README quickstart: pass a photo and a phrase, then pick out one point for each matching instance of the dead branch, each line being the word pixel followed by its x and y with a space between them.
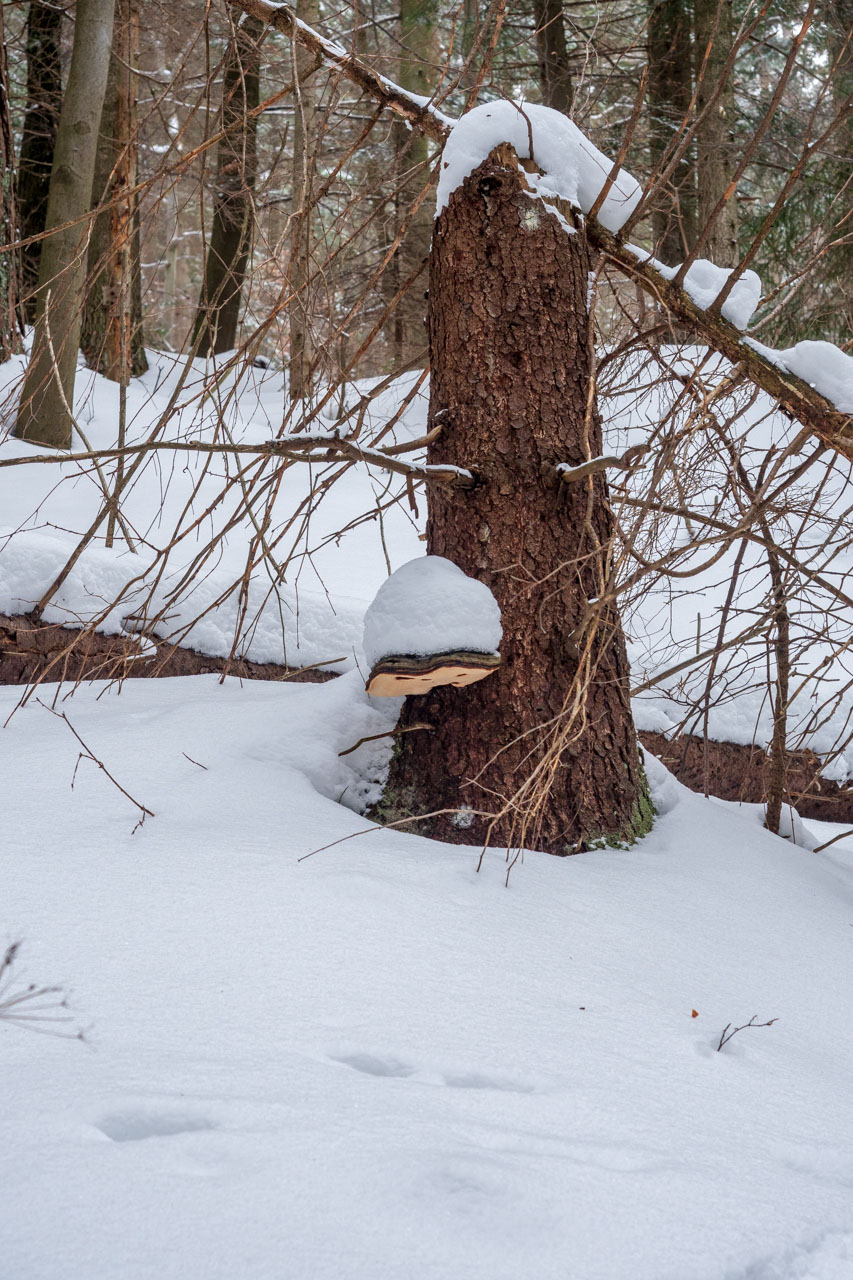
pixel 793 394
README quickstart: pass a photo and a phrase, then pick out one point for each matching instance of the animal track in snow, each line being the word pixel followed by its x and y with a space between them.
pixel 372 1065
pixel 135 1125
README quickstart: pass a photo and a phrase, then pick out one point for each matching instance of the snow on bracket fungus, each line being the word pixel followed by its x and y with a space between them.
pixel 430 624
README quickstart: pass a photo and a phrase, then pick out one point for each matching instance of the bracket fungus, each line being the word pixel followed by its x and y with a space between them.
pixel 430 624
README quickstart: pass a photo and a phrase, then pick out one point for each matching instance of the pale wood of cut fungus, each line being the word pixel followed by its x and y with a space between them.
pixel 399 677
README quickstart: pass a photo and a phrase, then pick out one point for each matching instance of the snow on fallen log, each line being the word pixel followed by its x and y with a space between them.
pixel 705 281
pixel 570 166
pixel 430 624
pixel 825 367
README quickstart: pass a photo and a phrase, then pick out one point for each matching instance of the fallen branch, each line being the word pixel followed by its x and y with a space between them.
pixel 794 395
pixel 317 448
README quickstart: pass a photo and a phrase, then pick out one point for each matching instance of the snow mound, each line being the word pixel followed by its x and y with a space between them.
pixel 430 606
pixel 821 364
pixel 703 282
pixel 826 368
pixel 570 165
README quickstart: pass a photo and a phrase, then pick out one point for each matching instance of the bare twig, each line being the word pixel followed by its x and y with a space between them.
pixel 88 754
pixel 729 1031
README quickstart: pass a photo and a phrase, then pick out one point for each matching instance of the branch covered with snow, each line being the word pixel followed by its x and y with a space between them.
pixel 822 403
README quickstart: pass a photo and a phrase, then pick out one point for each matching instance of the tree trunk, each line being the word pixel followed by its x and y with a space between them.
pixel 555 77
pixel 415 73
pixel 546 745
pixel 839 268
pixel 716 153
pixel 38 137
pixel 48 392
pixel 111 336
pixel 233 210
pixel 669 93
pixel 304 146
pixel 10 282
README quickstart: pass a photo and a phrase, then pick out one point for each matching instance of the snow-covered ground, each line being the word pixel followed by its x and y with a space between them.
pixel 309 584
pixel 378 1063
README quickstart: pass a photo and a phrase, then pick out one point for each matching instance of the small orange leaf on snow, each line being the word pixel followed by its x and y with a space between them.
pixel 693 1013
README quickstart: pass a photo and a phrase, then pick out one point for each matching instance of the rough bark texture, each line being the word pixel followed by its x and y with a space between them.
pixel 233 210
pixel 10 260
pixel 38 137
pixel 555 77
pixel 111 336
pixel 48 390
pixel 510 385
pixel 716 146
pixel 669 93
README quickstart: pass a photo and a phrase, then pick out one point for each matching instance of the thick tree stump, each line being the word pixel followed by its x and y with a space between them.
pixel 546 746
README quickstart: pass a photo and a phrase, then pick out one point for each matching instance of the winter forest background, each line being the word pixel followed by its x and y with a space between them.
pixel 298 304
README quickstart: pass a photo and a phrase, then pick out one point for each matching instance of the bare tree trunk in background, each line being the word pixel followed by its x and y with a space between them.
pixel 111 336
pixel 38 137
pixel 48 390
pixel 555 77
pixel 302 354
pixel 547 742
pixel 716 157
pixel 417 74
pixel 669 94
pixel 470 27
pixel 778 751
pixel 233 211
pixel 839 17
pixel 10 281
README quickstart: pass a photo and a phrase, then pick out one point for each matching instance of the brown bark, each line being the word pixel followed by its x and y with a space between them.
pixel 10 283
pixel 669 94
pixel 111 336
pixel 38 137
pixel 233 213
pixel 716 155
pixel 510 358
pixel 555 77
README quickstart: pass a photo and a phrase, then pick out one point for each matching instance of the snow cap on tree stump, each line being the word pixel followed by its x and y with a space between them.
pixel 430 624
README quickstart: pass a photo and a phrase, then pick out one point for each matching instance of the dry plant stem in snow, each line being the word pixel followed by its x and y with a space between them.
pixel 31 1006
